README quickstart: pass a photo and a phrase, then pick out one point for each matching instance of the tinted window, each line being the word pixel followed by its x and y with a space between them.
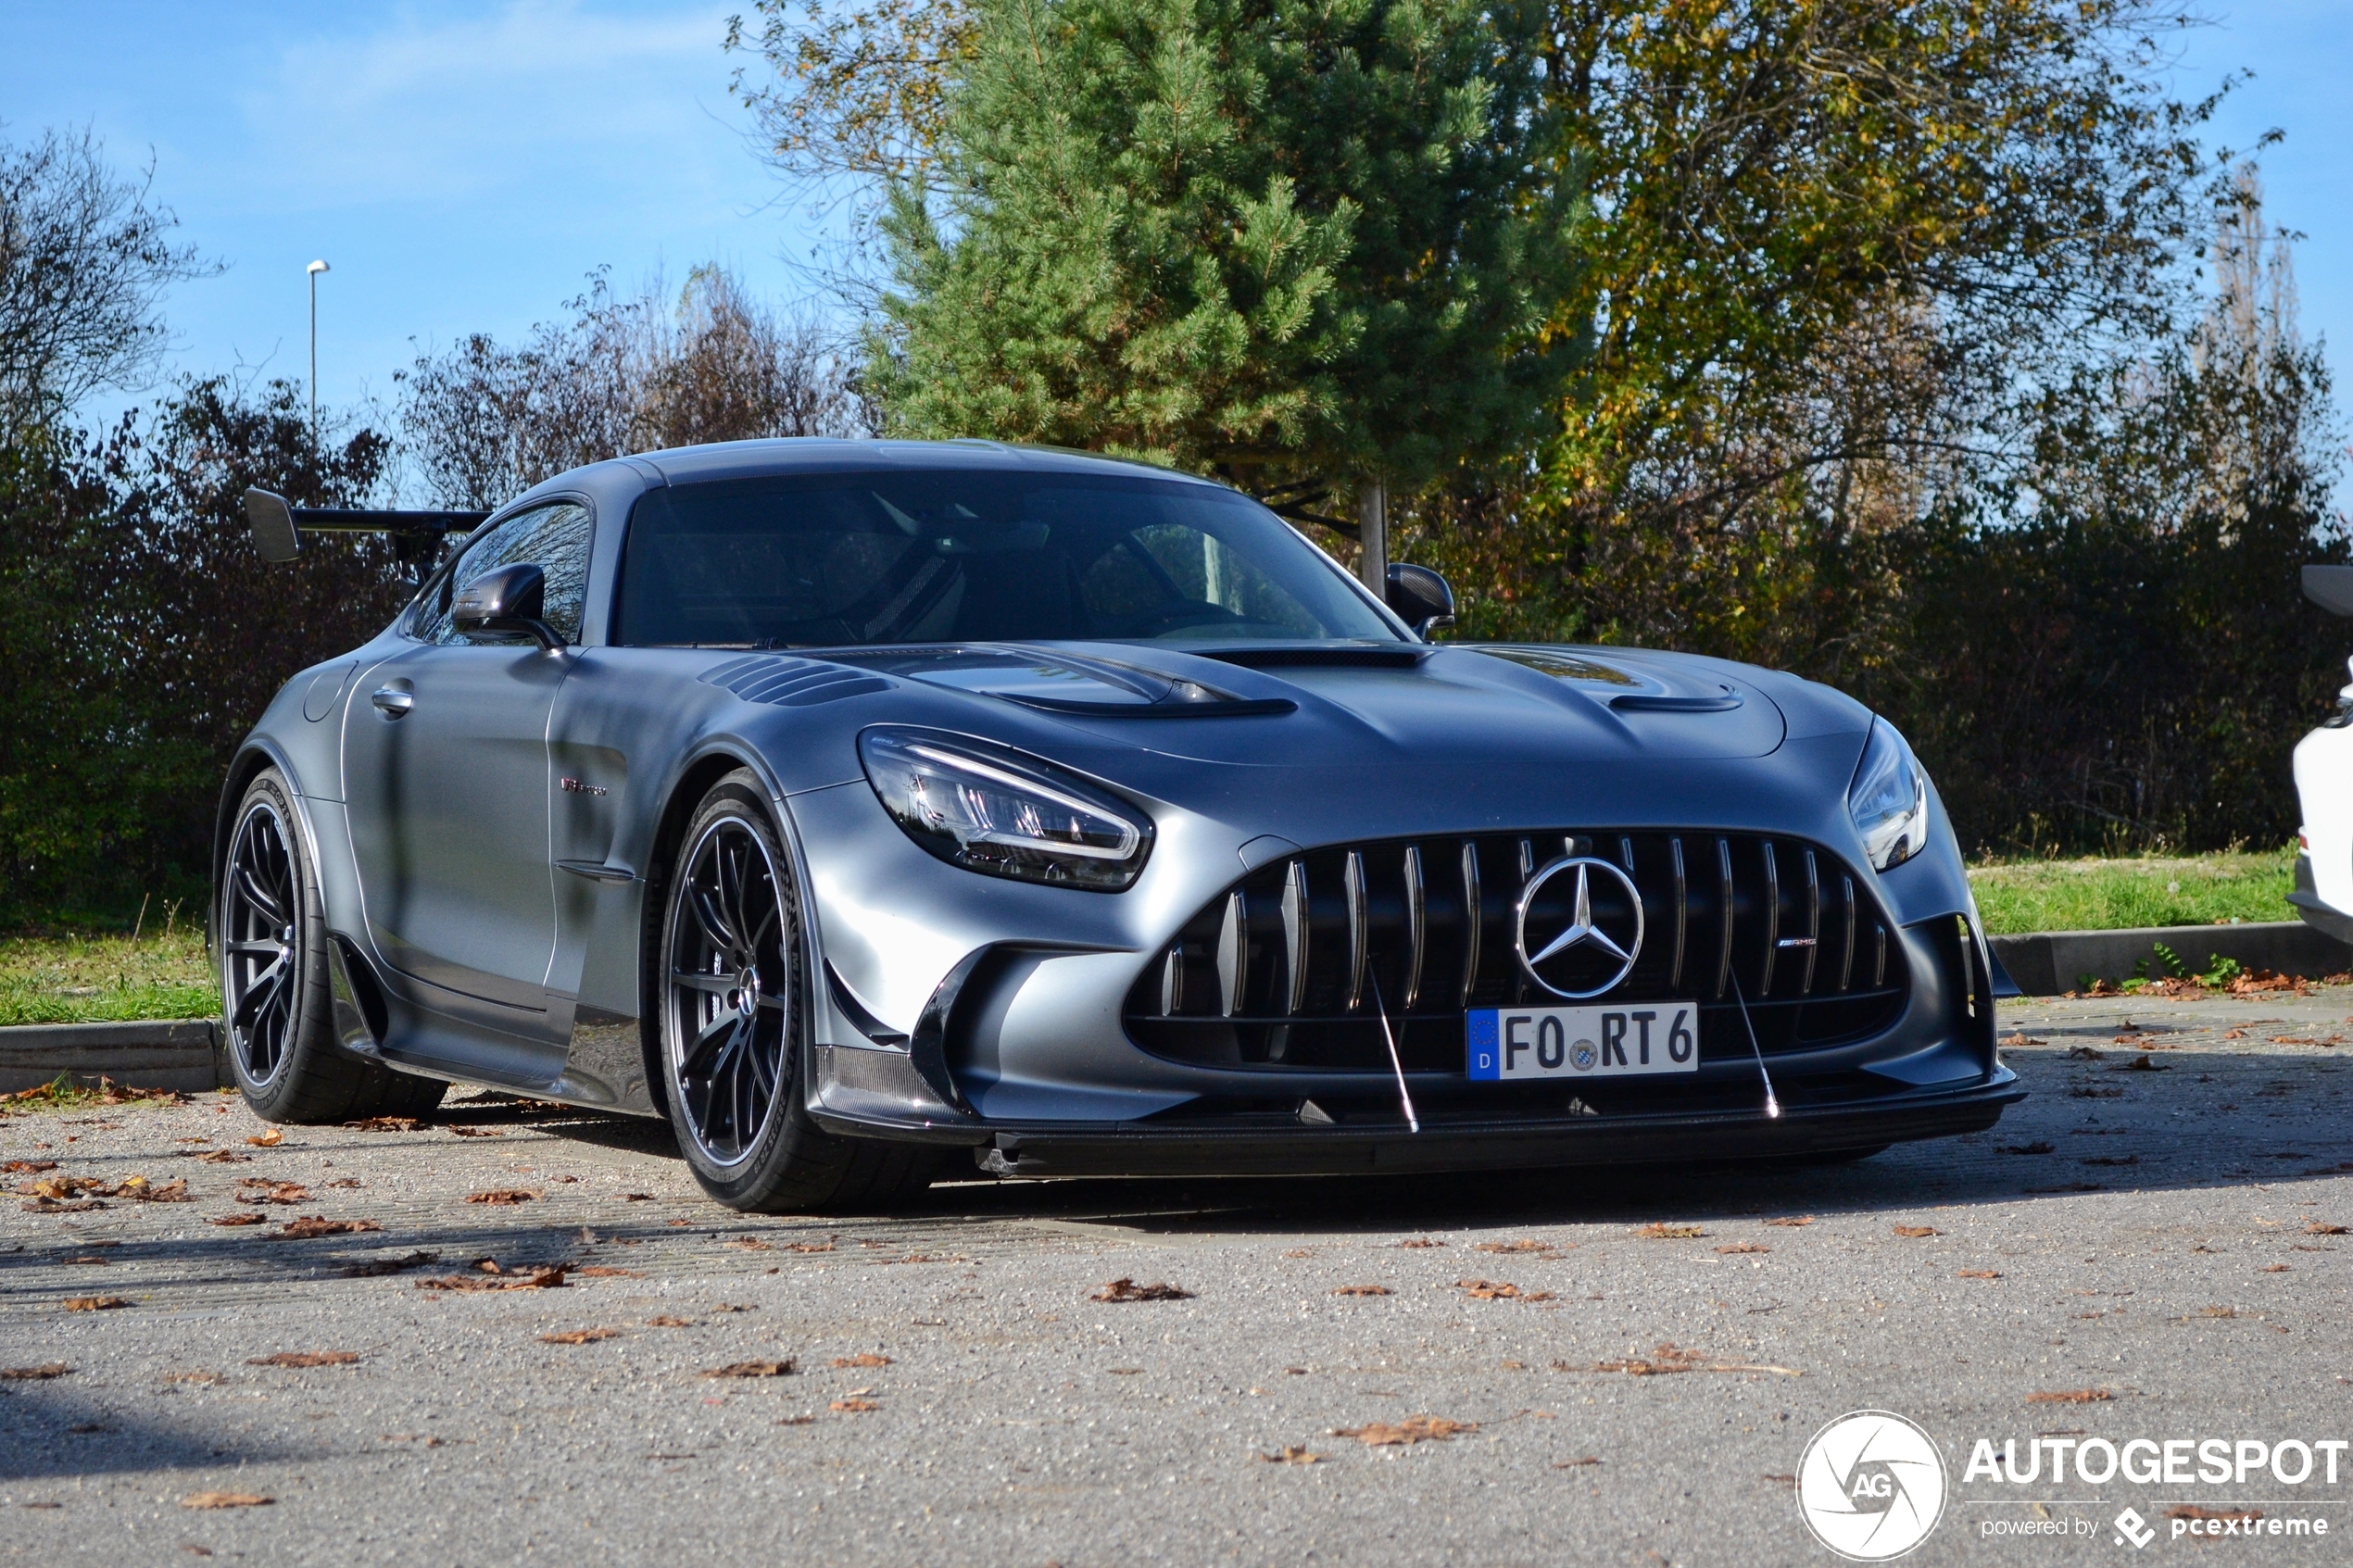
pixel 819 561
pixel 554 538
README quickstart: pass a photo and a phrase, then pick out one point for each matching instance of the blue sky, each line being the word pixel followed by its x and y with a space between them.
pixel 464 167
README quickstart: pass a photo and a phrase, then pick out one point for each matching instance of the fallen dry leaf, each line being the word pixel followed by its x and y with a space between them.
pixel 1298 1252
pixel 1498 1290
pixel 2318 1227
pixel 1913 1232
pixel 1362 1290
pixel 2072 1397
pixel 477 1132
pixel 270 1139
pixel 346 1181
pixel 386 1124
pixel 753 1369
pixel 809 1246
pixel 1413 1429
pixel 2036 1148
pixel 1792 1220
pixel 1578 1463
pixel 1659 1230
pixel 1513 1247
pixel 1978 1274
pixel 241 1219
pixel 93 1303
pixel 501 1197
pixel 217 1156
pixel 1421 1241
pixel 34 1374
pixel 580 1337
pixel 667 1320
pixel 747 1244
pixel 306 1359
pixel 2275 1268
pixel 306 1227
pixel 1668 1357
pixel 537 1279
pixel 854 1405
pixel 261 1190
pixel 28 1167
pixel 1292 1455
pixel 1744 1246
pixel 865 1358
pixel 226 1499
pixel 1124 1289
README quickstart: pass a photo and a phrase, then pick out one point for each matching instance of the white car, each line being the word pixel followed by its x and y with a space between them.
pixel 2323 893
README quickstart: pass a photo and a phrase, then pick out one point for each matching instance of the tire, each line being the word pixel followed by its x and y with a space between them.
pixel 277 1006
pixel 731 992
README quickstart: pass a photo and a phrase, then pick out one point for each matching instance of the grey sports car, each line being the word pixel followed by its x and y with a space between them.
pixel 873 809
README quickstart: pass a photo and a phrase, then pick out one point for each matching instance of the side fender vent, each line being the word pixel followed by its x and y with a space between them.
pixel 792 683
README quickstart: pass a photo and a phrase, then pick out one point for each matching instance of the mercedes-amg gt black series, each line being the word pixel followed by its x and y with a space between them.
pixel 869 809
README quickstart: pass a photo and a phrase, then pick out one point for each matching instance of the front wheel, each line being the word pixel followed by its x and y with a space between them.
pixel 277 1016
pixel 735 1025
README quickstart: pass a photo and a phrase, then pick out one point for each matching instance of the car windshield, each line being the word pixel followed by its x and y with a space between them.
pixel 831 559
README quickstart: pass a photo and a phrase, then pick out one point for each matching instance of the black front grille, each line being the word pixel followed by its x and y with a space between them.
pixel 1315 961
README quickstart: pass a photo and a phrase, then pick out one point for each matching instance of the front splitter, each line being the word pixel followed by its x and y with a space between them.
pixel 1144 1149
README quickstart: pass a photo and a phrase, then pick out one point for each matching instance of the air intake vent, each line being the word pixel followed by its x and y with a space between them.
pixel 1295 965
pixel 792 683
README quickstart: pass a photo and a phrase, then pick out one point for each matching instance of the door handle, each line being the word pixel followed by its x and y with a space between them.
pixel 391 701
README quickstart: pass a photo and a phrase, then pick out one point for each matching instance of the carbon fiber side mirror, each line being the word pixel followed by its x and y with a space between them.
pixel 503 604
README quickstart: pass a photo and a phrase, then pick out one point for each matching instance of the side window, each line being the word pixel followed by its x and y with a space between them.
pixel 554 538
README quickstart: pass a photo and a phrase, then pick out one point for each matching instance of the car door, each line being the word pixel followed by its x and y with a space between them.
pixel 445 772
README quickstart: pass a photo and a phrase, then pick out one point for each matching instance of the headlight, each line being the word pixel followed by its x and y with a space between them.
pixel 1889 799
pixel 989 809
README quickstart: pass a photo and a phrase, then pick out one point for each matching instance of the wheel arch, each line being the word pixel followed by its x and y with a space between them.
pixel 695 781
pixel 259 754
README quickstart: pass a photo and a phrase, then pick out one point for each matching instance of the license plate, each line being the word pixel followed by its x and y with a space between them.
pixel 1583 1042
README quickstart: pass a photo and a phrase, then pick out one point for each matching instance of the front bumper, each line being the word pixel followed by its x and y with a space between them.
pixel 863 1094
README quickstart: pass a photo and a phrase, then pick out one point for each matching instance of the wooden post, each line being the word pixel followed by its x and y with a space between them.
pixel 1371 520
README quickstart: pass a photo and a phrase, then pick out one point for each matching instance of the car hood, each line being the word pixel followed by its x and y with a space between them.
pixel 1279 705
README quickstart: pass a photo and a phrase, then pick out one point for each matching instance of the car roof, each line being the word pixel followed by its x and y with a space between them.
pixel 752 459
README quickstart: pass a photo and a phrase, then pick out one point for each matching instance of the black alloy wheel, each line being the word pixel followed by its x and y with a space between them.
pixel 731 1006
pixel 731 991
pixel 261 978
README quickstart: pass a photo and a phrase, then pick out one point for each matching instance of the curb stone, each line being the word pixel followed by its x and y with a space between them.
pixel 2045 963
pixel 178 1053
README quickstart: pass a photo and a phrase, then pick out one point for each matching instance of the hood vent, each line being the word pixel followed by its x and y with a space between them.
pixel 792 683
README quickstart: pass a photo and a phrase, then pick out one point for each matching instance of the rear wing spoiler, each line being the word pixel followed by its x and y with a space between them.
pixel 2331 587
pixel 278 528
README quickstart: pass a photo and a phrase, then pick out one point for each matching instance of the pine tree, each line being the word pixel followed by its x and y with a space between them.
pixel 1275 239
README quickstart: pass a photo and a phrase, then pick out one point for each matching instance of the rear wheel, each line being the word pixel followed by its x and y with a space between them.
pixel 735 1026
pixel 276 1009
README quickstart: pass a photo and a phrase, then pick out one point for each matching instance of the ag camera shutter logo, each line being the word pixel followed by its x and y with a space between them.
pixel 1871 1485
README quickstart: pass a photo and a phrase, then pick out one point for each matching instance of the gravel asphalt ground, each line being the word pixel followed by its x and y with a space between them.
pixel 1636 1357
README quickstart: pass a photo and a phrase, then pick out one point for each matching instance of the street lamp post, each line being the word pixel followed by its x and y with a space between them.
pixel 314 270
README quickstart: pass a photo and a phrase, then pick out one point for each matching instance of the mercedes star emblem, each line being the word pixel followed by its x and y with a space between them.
pixel 1589 958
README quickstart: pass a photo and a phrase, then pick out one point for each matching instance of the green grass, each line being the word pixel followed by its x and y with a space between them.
pixel 2103 895
pixel 100 979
